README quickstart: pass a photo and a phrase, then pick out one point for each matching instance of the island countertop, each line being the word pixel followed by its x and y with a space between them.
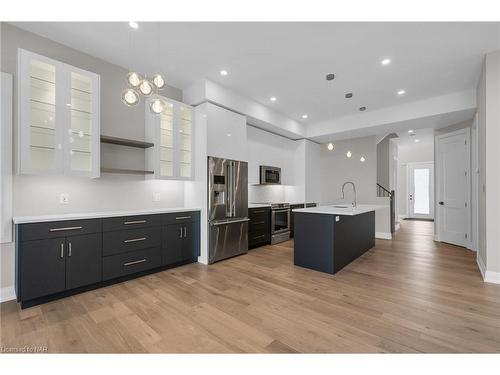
pixel 339 209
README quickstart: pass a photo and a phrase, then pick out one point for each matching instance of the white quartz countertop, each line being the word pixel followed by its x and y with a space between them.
pixel 258 205
pixel 95 215
pixel 339 209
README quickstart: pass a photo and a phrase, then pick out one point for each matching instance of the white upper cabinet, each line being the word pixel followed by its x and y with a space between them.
pixel 172 132
pixel 58 118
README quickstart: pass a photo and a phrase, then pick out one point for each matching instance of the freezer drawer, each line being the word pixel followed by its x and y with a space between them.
pixel 227 239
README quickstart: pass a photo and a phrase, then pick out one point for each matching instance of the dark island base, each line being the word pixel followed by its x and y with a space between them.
pixel 326 245
pixel 72 292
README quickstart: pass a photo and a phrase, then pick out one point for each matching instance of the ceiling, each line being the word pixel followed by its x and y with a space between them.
pixel 424 136
pixel 290 60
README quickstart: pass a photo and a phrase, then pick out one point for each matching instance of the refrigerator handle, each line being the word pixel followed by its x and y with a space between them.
pixel 234 189
pixel 229 185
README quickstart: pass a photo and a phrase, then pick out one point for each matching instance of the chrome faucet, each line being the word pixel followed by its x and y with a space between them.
pixel 353 189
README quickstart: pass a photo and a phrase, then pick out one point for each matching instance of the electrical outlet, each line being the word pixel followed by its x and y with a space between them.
pixel 156 197
pixel 64 198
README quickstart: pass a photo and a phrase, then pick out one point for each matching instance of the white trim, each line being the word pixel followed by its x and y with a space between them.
pixel 7 294
pixel 492 277
pixel 480 264
pixel 398 225
pixel 488 276
pixel 6 128
pixel 402 217
pixel 383 235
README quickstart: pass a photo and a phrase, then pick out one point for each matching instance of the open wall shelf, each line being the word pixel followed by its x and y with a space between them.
pixel 125 142
pixel 126 171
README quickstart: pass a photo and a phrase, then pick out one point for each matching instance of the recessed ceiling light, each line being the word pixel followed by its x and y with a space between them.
pixel 348 154
pixel 385 61
pixel 330 146
pixel 348 95
pixel 133 25
pixel 417 140
pixel 410 131
pixel 362 109
pixel 304 116
pixel 272 98
pixel 223 72
pixel 362 159
pixel 330 77
pixel 401 92
pixel 228 134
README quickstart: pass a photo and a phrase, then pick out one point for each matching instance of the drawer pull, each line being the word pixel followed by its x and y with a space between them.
pixel 259 212
pixel 134 222
pixel 135 240
pixel 135 262
pixel 258 222
pixel 182 217
pixel 65 228
pixel 62 250
pixel 259 237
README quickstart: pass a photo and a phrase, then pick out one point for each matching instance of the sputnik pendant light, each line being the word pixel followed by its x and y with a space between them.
pixel 139 85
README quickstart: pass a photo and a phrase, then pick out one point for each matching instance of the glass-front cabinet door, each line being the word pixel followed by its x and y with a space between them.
pixel 58 117
pixel 172 134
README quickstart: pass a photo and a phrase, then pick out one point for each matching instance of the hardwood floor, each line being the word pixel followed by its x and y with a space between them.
pixel 406 295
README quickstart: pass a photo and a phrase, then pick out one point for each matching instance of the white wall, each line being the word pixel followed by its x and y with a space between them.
pixel 336 168
pixel 488 98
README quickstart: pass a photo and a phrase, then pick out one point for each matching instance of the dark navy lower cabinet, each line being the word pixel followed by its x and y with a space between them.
pixel 84 260
pixel 56 259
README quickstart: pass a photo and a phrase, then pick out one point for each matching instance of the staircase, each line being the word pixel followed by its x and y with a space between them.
pixel 391 194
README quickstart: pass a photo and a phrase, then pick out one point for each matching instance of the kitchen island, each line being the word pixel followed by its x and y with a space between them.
pixel 328 238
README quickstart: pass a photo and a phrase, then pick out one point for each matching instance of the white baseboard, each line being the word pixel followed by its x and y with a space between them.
pixel 402 217
pixel 488 276
pixel 7 294
pixel 480 264
pixel 398 225
pixel 383 235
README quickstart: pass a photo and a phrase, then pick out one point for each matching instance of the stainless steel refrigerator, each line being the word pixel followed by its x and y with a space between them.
pixel 227 208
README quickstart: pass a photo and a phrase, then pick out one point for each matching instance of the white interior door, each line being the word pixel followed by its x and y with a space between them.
pixel 421 190
pixel 453 158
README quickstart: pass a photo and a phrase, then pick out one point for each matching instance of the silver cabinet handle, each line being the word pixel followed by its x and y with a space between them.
pixel 69 249
pixel 62 250
pixel 180 232
pixel 134 262
pixel 185 232
pixel 258 222
pixel 259 212
pixel 182 217
pixel 65 228
pixel 225 222
pixel 134 222
pixel 259 236
pixel 135 240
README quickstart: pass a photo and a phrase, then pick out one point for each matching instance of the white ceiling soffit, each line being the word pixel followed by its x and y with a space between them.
pixel 434 112
pixel 257 114
pixel 289 60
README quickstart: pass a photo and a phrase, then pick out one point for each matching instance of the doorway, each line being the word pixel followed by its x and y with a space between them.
pixel 453 187
pixel 421 191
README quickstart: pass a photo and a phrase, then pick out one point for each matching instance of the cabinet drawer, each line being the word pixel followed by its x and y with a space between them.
pixel 181 217
pixel 56 229
pixel 128 263
pixel 258 239
pixel 129 240
pixel 130 222
pixel 259 224
pixel 258 212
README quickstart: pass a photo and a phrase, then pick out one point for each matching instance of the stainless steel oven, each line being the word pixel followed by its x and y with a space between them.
pixel 270 175
pixel 280 222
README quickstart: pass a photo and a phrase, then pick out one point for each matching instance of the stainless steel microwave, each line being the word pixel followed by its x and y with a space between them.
pixel 270 175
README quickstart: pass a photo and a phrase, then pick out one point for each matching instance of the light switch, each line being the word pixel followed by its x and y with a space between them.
pixel 337 218
pixel 64 198
pixel 156 197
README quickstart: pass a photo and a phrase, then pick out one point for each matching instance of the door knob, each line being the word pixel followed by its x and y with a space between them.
pixel 441 203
